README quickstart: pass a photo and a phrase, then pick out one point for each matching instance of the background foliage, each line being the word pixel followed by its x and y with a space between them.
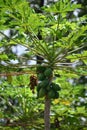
pixel 57 34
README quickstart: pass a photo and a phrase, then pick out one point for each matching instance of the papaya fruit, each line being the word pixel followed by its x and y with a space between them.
pixel 51 94
pixel 48 87
pixel 37 94
pixel 45 83
pixel 56 87
pixel 41 76
pixel 56 95
pixel 42 92
pixel 40 69
pixel 48 72
pixel 38 87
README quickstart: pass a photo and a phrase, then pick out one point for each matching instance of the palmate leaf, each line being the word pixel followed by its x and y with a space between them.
pixel 3 57
pixel 62 6
pixel 23 18
pixel 74 57
pixel 9 2
pixel 68 26
pixel 15 15
pixel 81 110
pixel 73 38
pixel 66 5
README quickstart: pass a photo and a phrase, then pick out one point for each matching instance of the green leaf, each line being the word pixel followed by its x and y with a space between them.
pixel 81 110
pixel 3 57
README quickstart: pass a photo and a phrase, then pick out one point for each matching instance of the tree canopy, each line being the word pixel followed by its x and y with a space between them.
pixel 54 40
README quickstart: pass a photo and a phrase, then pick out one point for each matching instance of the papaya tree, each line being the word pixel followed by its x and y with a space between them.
pixel 62 43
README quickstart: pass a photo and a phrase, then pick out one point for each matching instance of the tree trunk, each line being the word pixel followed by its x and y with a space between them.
pixel 47 113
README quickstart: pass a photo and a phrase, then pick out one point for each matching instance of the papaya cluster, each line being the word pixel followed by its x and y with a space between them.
pixel 45 85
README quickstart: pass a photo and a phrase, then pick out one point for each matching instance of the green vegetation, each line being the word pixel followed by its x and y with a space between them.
pixel 43 66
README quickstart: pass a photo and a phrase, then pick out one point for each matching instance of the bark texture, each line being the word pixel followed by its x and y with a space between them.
pixel 47 113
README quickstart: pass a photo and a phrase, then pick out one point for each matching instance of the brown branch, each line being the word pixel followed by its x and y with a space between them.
pixel 15 124
pixel 16 73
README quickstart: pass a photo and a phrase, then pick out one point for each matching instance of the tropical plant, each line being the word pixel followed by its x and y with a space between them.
pixel 61 47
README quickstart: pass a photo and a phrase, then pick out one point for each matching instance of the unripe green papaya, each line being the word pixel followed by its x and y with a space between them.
pixel 56 87
pixel 38 86
pixel 51 94
pixel 37 94
pixel 56 95
pixel 48 72
pixel 40 69
pixel 48 87
pixel 42 92
pixel 41 76
pixel 45 83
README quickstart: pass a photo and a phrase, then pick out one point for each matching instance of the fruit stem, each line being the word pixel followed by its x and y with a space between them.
pixel 47 113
